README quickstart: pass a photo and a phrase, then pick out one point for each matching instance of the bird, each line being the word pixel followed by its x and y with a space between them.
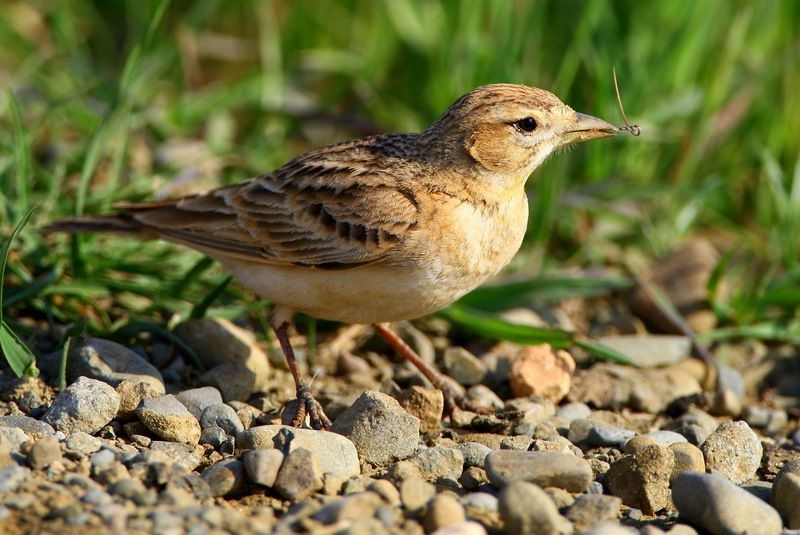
pixel 376 230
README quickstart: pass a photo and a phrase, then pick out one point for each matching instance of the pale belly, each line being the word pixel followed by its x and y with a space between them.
pixel 451 260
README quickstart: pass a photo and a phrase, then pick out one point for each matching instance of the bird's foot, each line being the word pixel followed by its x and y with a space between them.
pixel 307 405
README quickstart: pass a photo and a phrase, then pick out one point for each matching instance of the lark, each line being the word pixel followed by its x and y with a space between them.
pixel 375 230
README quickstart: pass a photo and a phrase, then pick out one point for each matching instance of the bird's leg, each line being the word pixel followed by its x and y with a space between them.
pixel 305 401
pixel 452 397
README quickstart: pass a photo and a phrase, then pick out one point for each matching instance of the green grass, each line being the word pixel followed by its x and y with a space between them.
pixel 103 96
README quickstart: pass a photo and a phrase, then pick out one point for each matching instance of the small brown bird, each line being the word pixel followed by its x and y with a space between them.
pixel 380 229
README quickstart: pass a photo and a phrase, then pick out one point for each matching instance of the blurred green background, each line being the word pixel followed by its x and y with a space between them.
pixel 115 100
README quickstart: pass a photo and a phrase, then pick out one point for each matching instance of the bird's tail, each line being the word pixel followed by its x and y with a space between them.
pixel 112 223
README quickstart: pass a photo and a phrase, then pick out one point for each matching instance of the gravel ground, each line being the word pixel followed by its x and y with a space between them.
pixel 138 443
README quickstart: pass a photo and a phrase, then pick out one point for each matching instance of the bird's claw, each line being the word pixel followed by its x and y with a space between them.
pixel 307 405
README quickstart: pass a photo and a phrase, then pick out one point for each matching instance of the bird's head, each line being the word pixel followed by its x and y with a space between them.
pixel 510 129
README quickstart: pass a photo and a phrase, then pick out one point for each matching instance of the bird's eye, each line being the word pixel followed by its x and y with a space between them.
pixel 528 124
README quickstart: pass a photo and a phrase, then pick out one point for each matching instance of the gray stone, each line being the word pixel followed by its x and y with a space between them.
pixel 651 350
pixel 443 511
pixel 474 453
pixel 544 468
pixel 196 400
pixel 184 455
pixel 381 430
pixel 86 405
pixel 262 465
pixel 111 363
pixel 573 411
pixel 223 416
pixel 734 451
pixel 714 503
pixel 44 452
pixel 214 436
pixel 31 426
pixel 11 477
pixel 526 508
pixel 463 366
pixel 225 477
pixel 227 349
pixel 590 510
pixel 591 433
pixel 439 463
pixel 166 417
pixel 665 438
pixel 299 476
pixel 333 453
pixel 351 508
pixel 14 437
pixel 83 443
pixel 415 494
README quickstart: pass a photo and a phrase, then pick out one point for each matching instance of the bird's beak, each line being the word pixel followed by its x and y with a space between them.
pixel 586 128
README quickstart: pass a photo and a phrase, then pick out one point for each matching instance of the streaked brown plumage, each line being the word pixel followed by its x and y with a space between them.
pixel 378 229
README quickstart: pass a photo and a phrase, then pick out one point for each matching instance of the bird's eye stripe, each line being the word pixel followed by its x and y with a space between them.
pixel 528 124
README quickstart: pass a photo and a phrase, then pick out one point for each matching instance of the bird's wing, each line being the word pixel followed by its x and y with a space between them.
pixel 325 211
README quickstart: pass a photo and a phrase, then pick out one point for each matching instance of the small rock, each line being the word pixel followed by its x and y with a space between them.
pixel 351 508
pixel 379 427
pixel 463 366
pixel 483 398
pixel 734 451
pixel 262 465
pixel 166 417
pixel 642 478
pixel 131 395
pixel 544 468
pixel 468 527
pixel 473 477
pixel 590 510
pixel 665 438
pixel 729 393
pixel 30 426
pixel 83 443
pixel 772 421
pixel 651 350
pixel 541 370
pixel 714 503
pixel 299 476
pixel 526 508
pixel 12 477
pixel 111 363
pixel 86 405
pixel 44 452
pixel 573 411
pixel 786 494
pixel 225 477
pixel 386 491
pixel 439 463
pixel 474 453
pixel 183 455
pixel 225 348
pixel 443 511
pixel 13 438
pixel 415 493
pixel 223 416
pixel 427 404
pixel 688 458
pixel 196 400
pixel 590 433
pixel 333 453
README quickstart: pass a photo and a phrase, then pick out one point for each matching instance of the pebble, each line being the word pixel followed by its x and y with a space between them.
pixel 526 508
pixel 111 363
pixel 786 493
pixel 439 463
pixel 381 430
pixel 14 437
pixel 386 491
pixel 30 426
pixel 714 503
pixel 473 477
pixel 196 400
pixel 642 478
pixel 299 476
pixel 182 454
pixel 665 438
pixel 483 398
pixel 650 351
pixel 131 395
pixel 589 433
pixel 333 453
pixel 468 527
pixel 235 363
pixel 688 458
pixel 427 404
pixel 573 411
pixel 354 507
pixel 443 511
pixel 44 452
pixel 772 421
pixel 86 405
pixel 544 468
pixel 474 453
pixel 83 443
pixel 12 477
pixel 415 493
pixel 225 477
pixel 730 391
pixel 734 451
pixel 590 510
pixel 463 366
pixel 223 416
pixel 543 371
pixel 262 465
pixel 213 436
pixel 166 417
